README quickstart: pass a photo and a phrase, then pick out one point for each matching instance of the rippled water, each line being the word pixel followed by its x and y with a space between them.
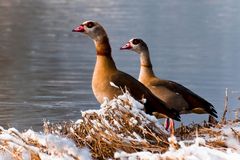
pixel 45 69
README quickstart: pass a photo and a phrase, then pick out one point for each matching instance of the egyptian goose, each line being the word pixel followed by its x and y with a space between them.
pixel 106 74
pixel 172 93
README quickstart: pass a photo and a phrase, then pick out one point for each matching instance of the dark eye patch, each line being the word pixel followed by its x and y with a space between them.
pixel 136 41
pixel 90 24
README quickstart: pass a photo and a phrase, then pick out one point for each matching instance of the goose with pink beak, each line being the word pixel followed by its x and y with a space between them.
pixel 172 93
pixel 107 80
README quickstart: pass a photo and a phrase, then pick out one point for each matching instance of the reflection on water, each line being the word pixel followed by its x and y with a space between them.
pixel 45 70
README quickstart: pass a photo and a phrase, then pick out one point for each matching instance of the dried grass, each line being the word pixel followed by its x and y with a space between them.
pixel 31 145
pixel 213 134
pixel 112 131
pixel 118 127
pixel 14 144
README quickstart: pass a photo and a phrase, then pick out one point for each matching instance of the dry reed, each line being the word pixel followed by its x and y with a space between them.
pixel 120 126
pixel 116 128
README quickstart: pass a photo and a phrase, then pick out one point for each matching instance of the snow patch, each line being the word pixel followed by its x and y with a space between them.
pixel 16 145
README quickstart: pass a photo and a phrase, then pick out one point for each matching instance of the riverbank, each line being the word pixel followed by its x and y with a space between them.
pixel 121 130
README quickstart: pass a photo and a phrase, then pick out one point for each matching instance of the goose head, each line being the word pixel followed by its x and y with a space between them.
pixel 91 28
pixel 135 44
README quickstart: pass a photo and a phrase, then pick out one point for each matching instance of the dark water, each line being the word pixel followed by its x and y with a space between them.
pixel 45 69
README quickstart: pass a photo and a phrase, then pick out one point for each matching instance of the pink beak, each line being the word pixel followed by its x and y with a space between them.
pixel 79 29
pixel 126 46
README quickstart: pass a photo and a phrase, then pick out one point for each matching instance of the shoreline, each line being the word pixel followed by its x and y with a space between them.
pixel 121 130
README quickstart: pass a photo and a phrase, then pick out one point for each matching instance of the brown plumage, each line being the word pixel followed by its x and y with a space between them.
pixel 172 93
pixel 105 71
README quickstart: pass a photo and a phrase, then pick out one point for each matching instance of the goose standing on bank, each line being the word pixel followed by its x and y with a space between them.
pixel 106 72
pixel 172 93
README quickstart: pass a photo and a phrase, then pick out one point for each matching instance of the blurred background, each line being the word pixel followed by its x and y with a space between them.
pixel 45 69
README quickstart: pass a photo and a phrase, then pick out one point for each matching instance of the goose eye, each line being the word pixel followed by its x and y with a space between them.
pixel 90 24
pixel 136 41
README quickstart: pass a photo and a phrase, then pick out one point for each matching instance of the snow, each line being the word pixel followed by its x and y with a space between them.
pixel 231 142
pixel 133 121
pixel 135 107
pixel 192 152
pixel 199 150
pixel 17 145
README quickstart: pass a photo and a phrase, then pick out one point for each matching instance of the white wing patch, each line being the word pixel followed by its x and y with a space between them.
pixel 114 85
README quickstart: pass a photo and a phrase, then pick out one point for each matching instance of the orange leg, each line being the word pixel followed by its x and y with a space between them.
pixel 166 123
pixel 172 127
pixel 169 125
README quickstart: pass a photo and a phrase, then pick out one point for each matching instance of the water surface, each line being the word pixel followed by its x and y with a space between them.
pixel 45 69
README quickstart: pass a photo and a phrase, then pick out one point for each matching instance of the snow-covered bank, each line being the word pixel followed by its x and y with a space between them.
pixel 120 124
pixel 120 130
pixel 195 151
pixel 31 145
